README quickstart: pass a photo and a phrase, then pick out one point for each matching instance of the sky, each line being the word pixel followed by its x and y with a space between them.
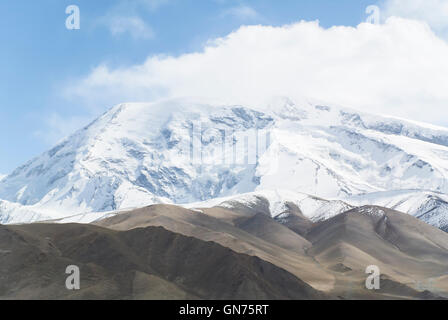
pixel 54 80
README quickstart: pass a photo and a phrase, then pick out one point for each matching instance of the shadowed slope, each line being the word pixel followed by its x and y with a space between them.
pixel 270 246
pixel 140 263
pixel 405 249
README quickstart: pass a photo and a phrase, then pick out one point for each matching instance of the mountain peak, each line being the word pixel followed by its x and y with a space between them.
pixel 190 150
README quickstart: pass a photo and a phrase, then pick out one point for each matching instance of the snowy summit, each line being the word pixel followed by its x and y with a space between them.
pixel 184 151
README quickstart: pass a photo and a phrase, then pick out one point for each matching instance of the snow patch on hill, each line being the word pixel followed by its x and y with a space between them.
pixel 312 207
pixel 431 207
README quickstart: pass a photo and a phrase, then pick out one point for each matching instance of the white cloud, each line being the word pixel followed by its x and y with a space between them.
pixel 397 68
pixel 433 12
pixel 152 4
pixel 134 26
pixel 125 18
pixel 241 12
pixel 135 6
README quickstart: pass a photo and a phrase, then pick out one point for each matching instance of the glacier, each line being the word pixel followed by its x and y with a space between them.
pixel 177 151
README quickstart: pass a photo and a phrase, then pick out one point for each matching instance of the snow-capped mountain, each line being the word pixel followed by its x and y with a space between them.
pixel 11 213
pixel 314 208
pixel 185 150
pixel 431 207
pixel 134 155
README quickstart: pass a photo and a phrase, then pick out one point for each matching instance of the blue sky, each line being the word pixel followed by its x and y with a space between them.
pixel 40 57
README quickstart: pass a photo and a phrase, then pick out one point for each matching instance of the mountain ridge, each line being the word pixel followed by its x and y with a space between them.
pixel 331 255
pixel 175 151
pixel 143 263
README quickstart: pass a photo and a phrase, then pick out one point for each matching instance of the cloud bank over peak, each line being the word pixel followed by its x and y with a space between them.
pixel 397 68
pixel 433 12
